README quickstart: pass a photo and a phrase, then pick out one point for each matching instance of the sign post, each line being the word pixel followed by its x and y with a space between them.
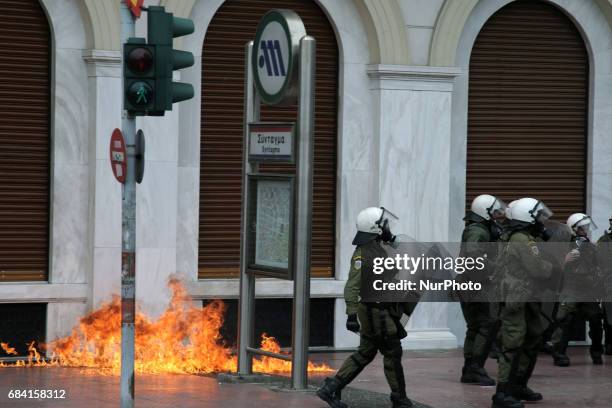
pixel 301 282
pixel 277 208
pixel 148 89
pixel 128 241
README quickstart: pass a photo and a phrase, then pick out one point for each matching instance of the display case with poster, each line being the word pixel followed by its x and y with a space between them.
pixel 270 225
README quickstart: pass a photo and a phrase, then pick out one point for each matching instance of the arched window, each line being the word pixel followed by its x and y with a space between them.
pixel 25 57
pixel 231 28
pixel 527 112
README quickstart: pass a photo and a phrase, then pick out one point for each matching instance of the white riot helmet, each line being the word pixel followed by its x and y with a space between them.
pixel 509 209
pixel 530 210
pixel 373 222
pixel 488 207
pixel 580 220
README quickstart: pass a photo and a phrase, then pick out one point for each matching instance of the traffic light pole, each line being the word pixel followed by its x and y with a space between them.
pixel 128 241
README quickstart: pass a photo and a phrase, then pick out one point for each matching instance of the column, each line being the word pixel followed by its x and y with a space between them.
pixel 414 171
pixel 105 103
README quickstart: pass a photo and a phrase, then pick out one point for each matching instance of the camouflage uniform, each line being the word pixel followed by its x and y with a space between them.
pixel 580 279
pixel 380 330
pixel 478 315
pixel 522 323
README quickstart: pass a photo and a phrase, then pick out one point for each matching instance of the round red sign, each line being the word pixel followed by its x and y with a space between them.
pixel 118 156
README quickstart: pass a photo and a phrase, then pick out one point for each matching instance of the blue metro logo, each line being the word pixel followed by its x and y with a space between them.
pixel 272 58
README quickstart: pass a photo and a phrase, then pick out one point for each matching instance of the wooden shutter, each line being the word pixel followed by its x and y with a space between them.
pixel 527 120
pixel 24 140
pixel 221 142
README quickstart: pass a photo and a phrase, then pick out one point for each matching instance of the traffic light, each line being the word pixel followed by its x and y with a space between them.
pixel 162 28
pixel 148 65
pixel 139 76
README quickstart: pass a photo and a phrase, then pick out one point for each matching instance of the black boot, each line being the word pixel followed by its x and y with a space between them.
pixel 546 348
pixel 473 373
pixel 330 393
pixel 596 357
pixel 503 399
pixel 608 350
pixel 596 335
pixel 523 392
pixel 560 359
pixel 400 401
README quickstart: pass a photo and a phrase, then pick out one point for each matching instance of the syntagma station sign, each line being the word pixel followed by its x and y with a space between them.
pixel 272 142
pixel 275 57
pixel 277 207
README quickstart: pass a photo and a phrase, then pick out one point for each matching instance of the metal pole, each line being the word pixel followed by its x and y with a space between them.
pixel 301 301
pixel 261 352
pixel 128 242
pixel 247 281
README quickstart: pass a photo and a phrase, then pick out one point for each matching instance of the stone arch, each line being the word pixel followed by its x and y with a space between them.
pixel 387 39
pixel 104 22
pixel 450 24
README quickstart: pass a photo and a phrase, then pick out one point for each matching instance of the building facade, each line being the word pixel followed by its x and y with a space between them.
pixel 421 105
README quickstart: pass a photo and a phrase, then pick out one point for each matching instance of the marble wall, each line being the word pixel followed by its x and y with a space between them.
pixel 414 171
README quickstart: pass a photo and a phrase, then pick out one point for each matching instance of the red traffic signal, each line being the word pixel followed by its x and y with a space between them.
pixel 140 60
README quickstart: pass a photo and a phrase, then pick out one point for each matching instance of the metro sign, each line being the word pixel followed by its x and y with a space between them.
pixel 275 56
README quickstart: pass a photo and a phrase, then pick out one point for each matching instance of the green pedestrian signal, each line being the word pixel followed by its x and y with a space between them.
pixel 142 95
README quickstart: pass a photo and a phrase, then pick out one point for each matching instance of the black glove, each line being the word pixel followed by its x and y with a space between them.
pixel 352 324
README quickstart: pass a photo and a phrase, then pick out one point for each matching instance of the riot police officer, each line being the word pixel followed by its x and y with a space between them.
pixel 519 265
pixel 481 227
pixel 580 280
pixel 378 324
pixel 604 245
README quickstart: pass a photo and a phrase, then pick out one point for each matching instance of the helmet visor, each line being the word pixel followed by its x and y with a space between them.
pixel 498 209
pixel 541 212
pixel 390 218
pixel 586 223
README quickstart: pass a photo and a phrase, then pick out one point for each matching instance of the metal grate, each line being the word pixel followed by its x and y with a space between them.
pixel 527 120
pixel 24 140
pixel 232 27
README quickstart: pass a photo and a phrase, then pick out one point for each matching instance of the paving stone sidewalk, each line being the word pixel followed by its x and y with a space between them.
pixel 431 376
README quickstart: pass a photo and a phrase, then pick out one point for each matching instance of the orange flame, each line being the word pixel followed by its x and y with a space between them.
pixel 185 339
pixel 7 349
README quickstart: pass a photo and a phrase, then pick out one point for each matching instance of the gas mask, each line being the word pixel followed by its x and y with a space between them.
pixel 387 218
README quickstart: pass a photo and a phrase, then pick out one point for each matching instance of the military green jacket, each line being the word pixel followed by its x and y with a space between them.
pixel 581 277
pixel 476 232
pixel 475 243
pixel 360 261
pixel 606 237
pixel 522 266
pixel 353 284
